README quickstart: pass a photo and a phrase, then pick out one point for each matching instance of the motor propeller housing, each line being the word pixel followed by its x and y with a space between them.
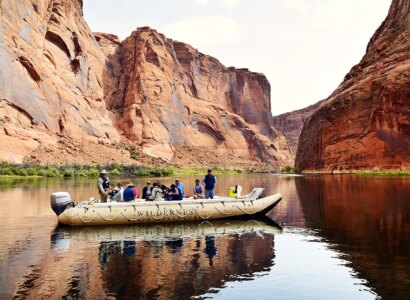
pixel 60 201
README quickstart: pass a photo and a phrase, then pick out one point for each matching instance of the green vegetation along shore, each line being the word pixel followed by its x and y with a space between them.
pixel 10 170
pixel 385 173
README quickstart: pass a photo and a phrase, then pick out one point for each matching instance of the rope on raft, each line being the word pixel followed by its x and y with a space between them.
pixel 248 213
pixel 82 220
pixel 222 213
pixel 131 219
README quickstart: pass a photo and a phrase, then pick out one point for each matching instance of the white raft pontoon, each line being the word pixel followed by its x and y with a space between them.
pixel 115 213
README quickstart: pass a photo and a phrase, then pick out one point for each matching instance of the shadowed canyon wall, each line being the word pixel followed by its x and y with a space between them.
pixel 365 123
pixel 290 125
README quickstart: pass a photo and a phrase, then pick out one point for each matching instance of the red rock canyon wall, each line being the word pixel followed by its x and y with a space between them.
pixel 365 123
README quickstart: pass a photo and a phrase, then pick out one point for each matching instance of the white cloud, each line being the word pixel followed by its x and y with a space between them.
pixel 204 31
pixel 297 6
pixel 202 2
pixel 347 15
pixel 227 3
pixel 231 3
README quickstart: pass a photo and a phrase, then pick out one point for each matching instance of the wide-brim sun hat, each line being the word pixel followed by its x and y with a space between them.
pixel 131 184
pixel 103 172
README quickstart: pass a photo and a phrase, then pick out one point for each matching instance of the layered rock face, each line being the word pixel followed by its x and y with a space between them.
pixel 290 125
pixel 176 103
pixel 365 123
pixel 65 98
pixel 51 85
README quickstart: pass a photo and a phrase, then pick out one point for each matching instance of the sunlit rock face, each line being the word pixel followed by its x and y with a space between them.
pixel 51 71
pixel 64 89
pixel 169 98
pixel 67 95
pixel 365 123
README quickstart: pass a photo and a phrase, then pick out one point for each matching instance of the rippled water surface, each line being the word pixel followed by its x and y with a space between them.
pixel 340 237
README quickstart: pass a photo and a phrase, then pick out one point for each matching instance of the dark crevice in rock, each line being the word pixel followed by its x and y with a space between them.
pixel 54 19
pixel 151 56
pixel 30 68
pixel 20 110
pixel 210 131
pixel 58 41
pixel 35 7
pixel 76 63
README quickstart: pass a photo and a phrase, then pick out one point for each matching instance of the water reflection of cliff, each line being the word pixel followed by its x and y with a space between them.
pixel 368 220
pixel 172 267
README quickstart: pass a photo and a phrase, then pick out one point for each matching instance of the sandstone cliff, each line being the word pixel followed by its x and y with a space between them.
pixel 290 125
pixel 51 87
pixel 365 123
pixel 178 104
pixel 65 98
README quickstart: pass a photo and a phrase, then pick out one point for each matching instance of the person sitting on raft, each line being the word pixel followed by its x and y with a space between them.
pixel 174 193
pixel 118 193
pixel 156 193
pixel 146 191
pixel 129 193
pixel 198 191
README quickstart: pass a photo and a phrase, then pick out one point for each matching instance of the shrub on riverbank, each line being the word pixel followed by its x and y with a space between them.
pixel 68 171
pixel 387 173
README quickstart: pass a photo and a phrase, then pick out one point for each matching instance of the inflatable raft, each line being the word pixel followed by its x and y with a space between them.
pixel 115 213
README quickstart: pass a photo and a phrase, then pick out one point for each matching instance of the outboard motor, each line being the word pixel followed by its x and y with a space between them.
pixel 60 201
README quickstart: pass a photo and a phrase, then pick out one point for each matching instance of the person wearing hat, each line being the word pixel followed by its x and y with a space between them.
pixel 180 186
pixel 103 186
pixel 129 193
pixel 147 191
pixel 209 182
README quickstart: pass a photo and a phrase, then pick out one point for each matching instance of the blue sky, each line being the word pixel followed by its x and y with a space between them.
pixel 304 47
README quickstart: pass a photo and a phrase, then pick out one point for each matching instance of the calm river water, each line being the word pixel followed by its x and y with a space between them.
pixel 341 237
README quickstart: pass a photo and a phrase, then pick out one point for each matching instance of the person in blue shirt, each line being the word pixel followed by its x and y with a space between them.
pixel 180 186
pixel 129 193
pixel 209 182
pixel 198 190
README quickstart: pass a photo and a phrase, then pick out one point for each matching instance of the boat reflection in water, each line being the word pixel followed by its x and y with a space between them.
pixel 173 260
